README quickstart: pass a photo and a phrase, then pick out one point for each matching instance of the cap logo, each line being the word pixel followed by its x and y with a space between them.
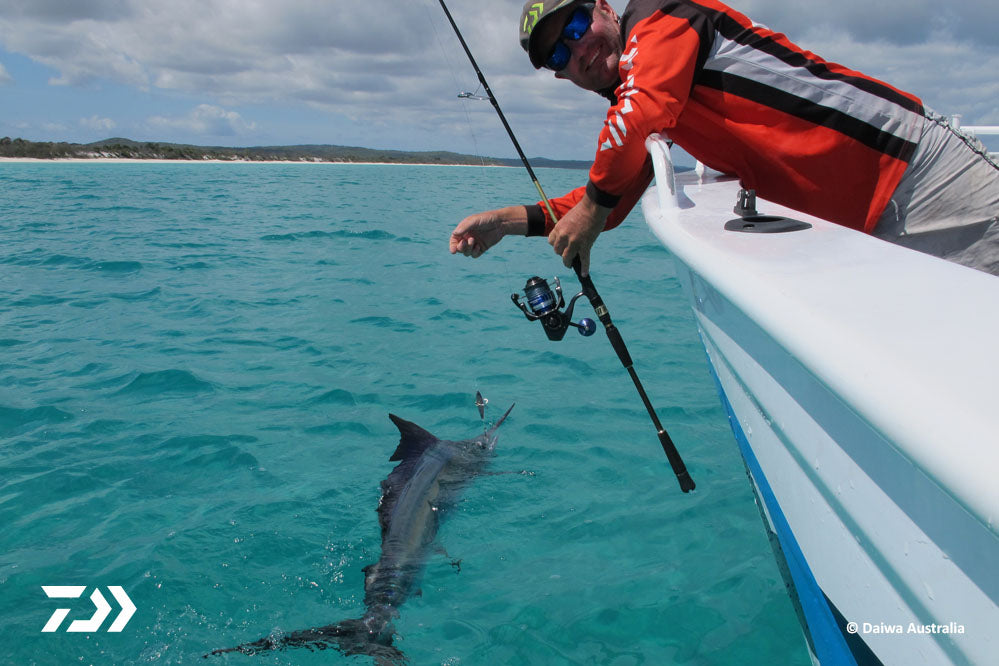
pixel 532 16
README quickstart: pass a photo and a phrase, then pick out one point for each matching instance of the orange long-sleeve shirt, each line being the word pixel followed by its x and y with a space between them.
pixel 744 100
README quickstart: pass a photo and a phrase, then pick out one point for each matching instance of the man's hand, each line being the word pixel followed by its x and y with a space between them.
pixel 576 232
pixel 477 233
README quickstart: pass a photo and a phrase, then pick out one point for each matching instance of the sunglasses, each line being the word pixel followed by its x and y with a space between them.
pixel 577 25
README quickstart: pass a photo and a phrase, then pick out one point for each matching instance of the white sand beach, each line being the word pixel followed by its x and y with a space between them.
pixel 127 160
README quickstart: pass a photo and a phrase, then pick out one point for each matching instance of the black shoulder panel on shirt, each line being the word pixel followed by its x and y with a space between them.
pixel 701 21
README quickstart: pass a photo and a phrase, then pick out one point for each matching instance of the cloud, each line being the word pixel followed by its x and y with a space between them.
pixel 59 11
pixel 254 49
pixel 394 68
pixel 900 22
pixel 5 78
pixel 98 124
pixel 206 120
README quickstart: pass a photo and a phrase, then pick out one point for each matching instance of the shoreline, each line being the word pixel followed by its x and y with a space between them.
pixel 143 160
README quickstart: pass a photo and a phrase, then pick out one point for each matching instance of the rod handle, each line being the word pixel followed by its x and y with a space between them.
pixel 669 448
pixel 603 315
pixel 618 343
pixel 676 462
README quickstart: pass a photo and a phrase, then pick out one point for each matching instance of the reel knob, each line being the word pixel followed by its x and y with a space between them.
pixel 587 327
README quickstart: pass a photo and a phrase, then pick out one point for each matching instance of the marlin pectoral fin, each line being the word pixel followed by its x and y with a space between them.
pixel 454 562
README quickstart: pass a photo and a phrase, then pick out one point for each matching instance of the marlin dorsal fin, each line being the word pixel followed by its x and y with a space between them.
pixel 414 440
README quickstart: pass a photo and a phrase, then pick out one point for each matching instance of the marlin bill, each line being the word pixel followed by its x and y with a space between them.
pixel 416 495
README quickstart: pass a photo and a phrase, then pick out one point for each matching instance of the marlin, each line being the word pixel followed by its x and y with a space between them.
pixel 420 490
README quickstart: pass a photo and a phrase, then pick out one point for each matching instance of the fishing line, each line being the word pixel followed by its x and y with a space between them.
pixel 451 70
pixel 480 402
pixel 551 314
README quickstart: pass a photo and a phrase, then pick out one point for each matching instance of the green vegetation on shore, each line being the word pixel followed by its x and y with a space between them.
pixel 128 149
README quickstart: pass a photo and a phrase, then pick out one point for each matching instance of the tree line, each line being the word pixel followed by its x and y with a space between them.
pixel 128 149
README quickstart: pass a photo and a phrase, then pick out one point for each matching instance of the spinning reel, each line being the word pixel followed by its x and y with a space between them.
pixel 547 306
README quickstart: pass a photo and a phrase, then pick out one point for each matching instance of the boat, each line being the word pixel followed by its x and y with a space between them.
pixel 860 380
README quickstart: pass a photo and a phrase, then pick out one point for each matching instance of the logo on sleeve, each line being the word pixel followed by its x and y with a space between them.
pixel 616 126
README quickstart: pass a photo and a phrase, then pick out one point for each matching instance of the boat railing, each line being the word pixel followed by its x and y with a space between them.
pixel 662 166
pixel 976 130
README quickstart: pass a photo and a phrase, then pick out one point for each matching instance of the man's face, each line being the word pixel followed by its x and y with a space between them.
pixel 595 56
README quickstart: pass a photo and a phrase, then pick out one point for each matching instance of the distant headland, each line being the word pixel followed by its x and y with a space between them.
pixel 125 149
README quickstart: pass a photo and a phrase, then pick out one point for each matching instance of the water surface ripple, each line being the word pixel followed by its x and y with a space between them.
pixel 196 366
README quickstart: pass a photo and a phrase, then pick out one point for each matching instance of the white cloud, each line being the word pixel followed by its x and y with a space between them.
pixel 5 78
pixel 97 123
pixel 394 68
pixel 206 120
pixel 894 21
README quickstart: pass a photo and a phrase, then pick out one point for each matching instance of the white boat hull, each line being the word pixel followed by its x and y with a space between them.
pixel 861 381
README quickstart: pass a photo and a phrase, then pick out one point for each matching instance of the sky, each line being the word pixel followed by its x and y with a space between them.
pixel 386 73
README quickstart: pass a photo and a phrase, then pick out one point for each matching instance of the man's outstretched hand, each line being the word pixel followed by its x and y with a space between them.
pixel 477 233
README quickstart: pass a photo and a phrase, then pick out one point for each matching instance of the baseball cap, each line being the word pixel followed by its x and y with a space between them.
pixel 534 12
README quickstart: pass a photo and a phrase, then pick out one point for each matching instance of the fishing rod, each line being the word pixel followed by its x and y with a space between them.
pixel 547 307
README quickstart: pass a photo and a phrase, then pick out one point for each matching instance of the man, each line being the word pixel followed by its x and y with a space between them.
pixel 803 132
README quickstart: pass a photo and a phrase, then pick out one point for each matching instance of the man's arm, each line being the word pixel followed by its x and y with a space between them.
pixel 477 233
pixel 541 223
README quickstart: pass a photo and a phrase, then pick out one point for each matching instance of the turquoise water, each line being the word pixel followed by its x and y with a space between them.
pixel 196 366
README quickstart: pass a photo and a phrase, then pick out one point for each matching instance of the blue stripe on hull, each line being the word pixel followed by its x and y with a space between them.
pixel 827 637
